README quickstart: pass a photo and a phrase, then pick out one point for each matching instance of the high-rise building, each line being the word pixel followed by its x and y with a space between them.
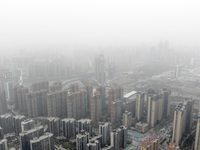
pixel 3 104
pixel 97 139
pixel 37 104
pixel 26 136
pixel 56 86
pixel 119 138
pixel 151 144
pixel 93 145
pixel 114 94
pixel 6 122
pixel 9 90
pixel 111 70
pixel 56 68
pixel 27 124
pixel 89 90
pixel 115 112
pixel 81 140
pixel 21 98
pixel 130 102
pixel 57 104
pixel 74 88
pixel 178 70
pixel 139 106
pixel 3 144
pixel 17 120
pixel 16 96
pixel 1 133
pixel 100 69
pixel 197 137
pixel 104 130
pixel 76 104
pixel 127 119
pixel 95 107
pixel 44 142
pixel 155 109
pixel 102 91
pixel 54 126
pixel 68 127
pixel 166 103
pixel 181 121
pixel 190 107
pixel 86 125
pixel 130 106
pixel 43 85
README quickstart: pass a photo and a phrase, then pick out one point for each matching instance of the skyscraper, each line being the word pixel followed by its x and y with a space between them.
pixel 100 69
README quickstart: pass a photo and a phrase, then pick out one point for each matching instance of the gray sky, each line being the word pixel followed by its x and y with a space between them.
pixel 54 24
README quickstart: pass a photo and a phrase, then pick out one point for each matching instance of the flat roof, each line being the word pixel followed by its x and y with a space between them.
pixel 130 94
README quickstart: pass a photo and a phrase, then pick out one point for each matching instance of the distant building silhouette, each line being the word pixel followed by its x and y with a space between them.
pixel 100 69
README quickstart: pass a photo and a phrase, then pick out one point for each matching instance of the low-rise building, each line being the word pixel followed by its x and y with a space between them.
pixel 142 127
pixel 151 144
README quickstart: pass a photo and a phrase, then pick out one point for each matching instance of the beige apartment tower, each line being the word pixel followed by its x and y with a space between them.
pixel 154 109
pixel 139 106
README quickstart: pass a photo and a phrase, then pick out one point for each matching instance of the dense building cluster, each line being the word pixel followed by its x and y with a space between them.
pixel 90 115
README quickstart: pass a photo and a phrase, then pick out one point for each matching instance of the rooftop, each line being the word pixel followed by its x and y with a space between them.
pixel 130 94
pixel 148 142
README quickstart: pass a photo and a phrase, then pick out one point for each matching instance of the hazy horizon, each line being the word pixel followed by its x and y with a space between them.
pixel 58 25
